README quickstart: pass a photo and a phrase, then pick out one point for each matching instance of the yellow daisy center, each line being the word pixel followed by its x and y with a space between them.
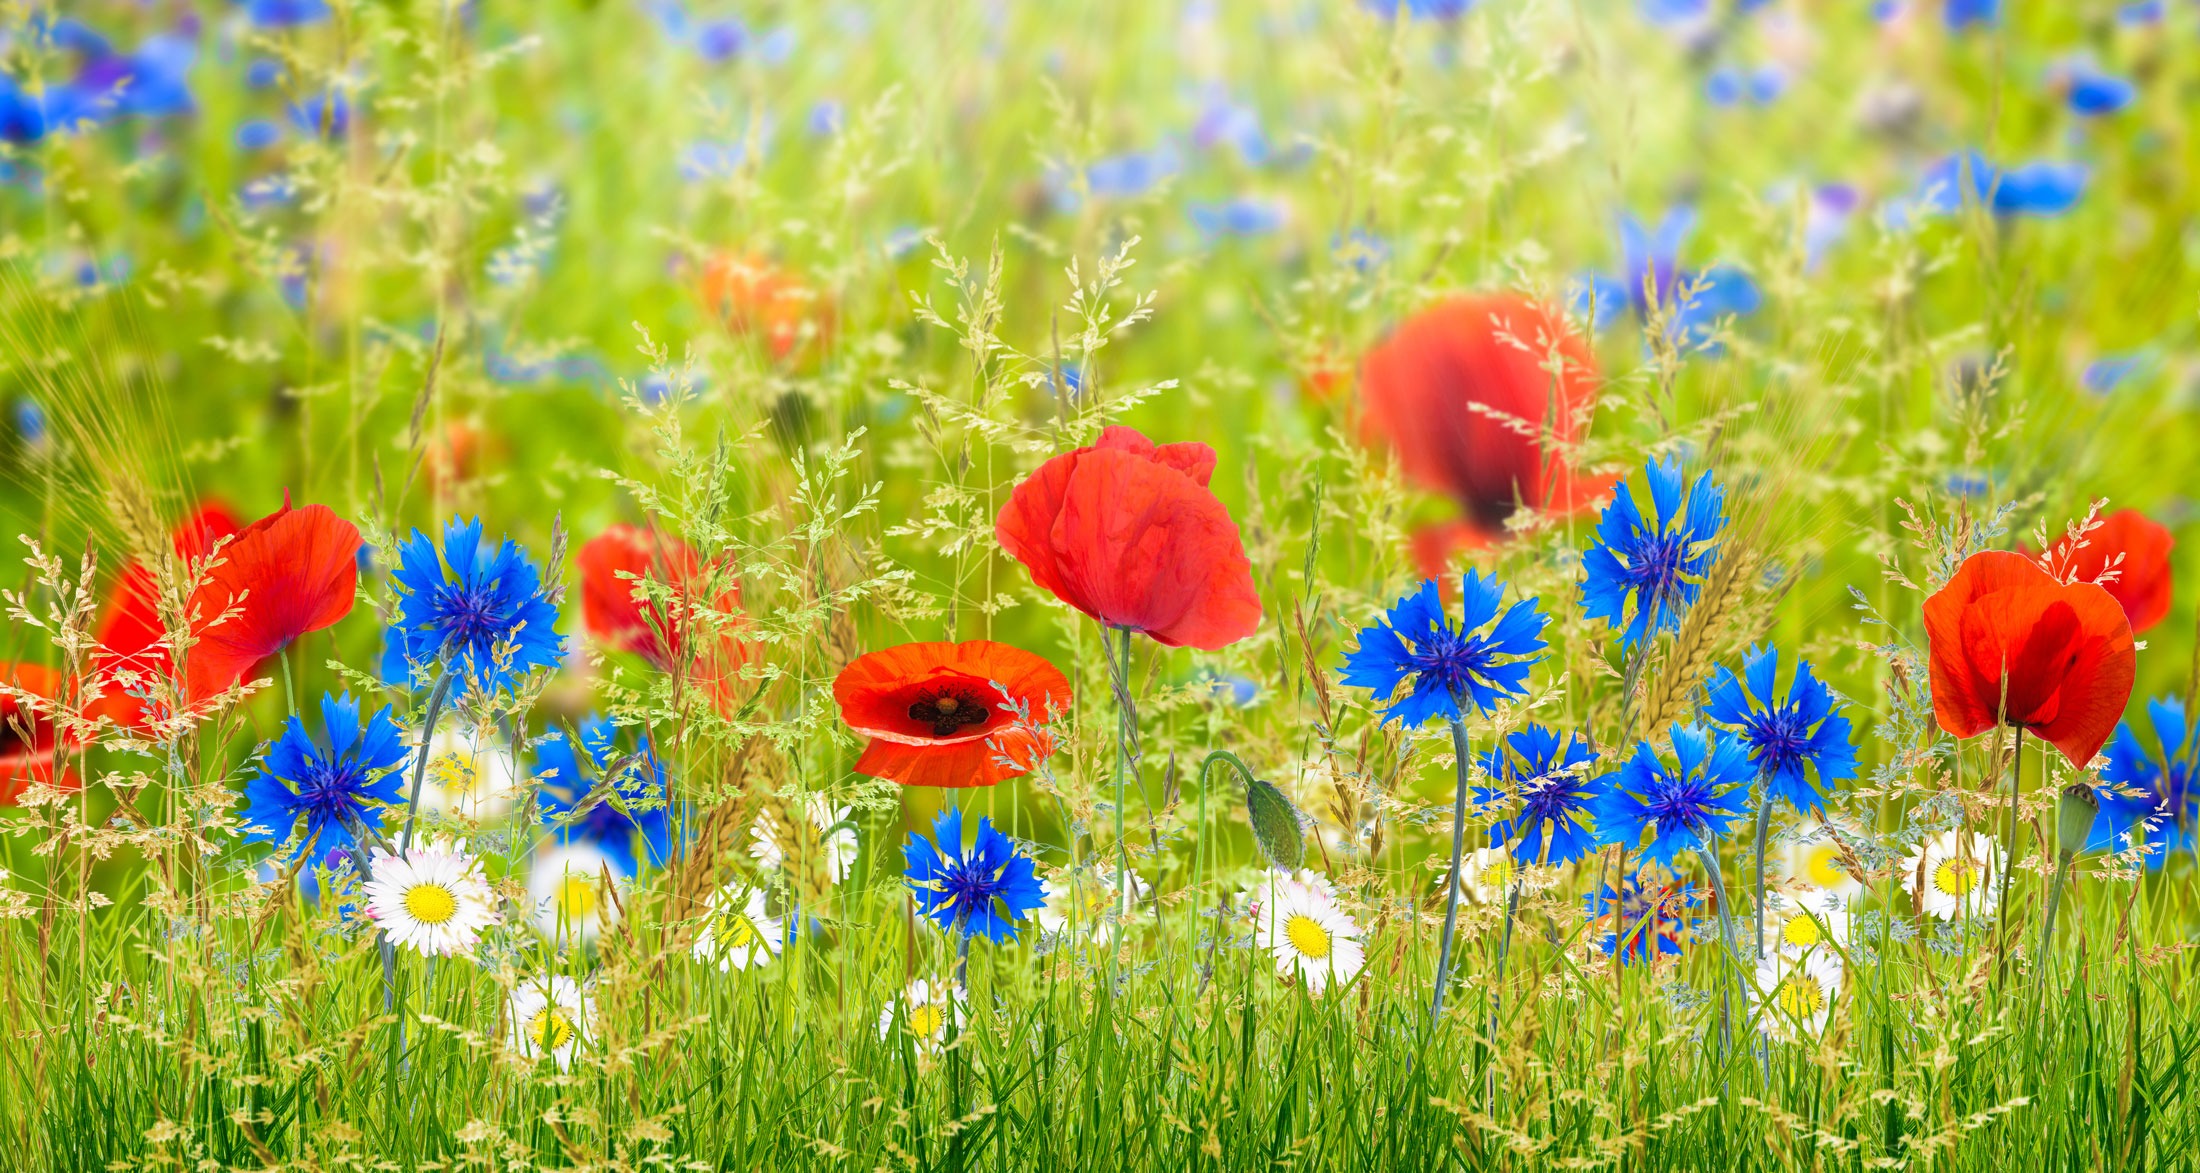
pixel 925 1021
pixel 1957 877
pixel 576 897
pixel 738 932
pixel 1306 935
pixel 551 1029
pixel 1822 866
pixel 1800 931
pixel 431 904
pixel 1800 997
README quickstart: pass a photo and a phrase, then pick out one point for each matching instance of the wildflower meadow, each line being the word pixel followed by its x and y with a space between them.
pixel 1099 585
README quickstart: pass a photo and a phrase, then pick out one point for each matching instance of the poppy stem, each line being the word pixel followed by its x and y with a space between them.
pixel 1126 753
pixel 1460 759
pixel 420 756
pixel 2009 853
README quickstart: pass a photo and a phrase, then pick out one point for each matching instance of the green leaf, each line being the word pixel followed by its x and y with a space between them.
pixel 1275 824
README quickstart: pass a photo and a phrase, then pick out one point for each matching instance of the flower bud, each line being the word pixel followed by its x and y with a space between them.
pixel 2074 818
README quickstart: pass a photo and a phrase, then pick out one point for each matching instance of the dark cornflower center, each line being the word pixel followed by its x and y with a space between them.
pixel 1680 804
pixel 1655 567
pixel 969 888
pixel 1448 660
pixel 1547 800
pixel 330 790
pixel 949 711
pixel 472 614
pixel 1778 738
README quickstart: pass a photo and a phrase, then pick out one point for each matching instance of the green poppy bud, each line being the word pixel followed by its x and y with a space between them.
pixel 2074 817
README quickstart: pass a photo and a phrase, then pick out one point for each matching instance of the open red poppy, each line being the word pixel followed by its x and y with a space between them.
pixel 26 734
pixel 2011 645
pixel 2142 583
pixel 620 617
pixel 935 718
pixel 129 637
pixel 292 572
pixel 1128 533
pixel 1460 392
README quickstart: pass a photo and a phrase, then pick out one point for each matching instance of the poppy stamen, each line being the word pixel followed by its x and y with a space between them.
pixel 948 712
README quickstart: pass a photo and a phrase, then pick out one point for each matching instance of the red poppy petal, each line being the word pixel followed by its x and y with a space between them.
pixel 1140 546
pixel 1026 524
pixel 954 767
pixel 2099 681
pixel 295 570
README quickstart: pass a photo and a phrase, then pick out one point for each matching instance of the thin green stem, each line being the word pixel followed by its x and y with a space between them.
pixel 1460 760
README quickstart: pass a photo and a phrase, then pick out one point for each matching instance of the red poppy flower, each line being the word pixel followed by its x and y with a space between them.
pixel 2142 582
pixel 757 298
pixel 1466 408
pixel 26 734
pixel 935 718
pixel 2011 643
pixel 618 617
pixel 1128 533
pixel 130 635
pixel 292 572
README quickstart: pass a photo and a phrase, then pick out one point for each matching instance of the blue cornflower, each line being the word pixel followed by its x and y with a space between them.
pixel 968 892
pixel 1785 736
pixel 2094 92
pixel 1645 917
pixel 317 794
pixel 285 13
pixel 2156 779
pixel 631 822
pixel 1964 13
pixel 1244 216
pixel 1654 564
pixel 1692 300
pixel 1446 668
pixel 1549 771
pixel 483 614
pixel 2034 189
pixel 2103 374
pixel 1419 9
pixel 1685 807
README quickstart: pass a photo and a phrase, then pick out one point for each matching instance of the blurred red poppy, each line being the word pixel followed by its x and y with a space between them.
pixel 1460 392
pixel 292 572
pixel 1128 533
pixel 2012 645
pixel 2142 583
pixel 620 618
pixel 756 298
pixel 129 637
pixel 935 718
pixel 26 734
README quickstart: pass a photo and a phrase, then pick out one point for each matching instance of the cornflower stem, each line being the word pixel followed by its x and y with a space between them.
pixel 1451 878
pixel 420 758
pixel 1709 853
pixel 962 963
pixel 1764 825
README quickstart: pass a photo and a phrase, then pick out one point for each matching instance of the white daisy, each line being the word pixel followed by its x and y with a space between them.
pixel 739 932
pixel 1814 857
pixel 1953 875
pixel 1088 898
pixel 1800 922
pixel 924 1013
pixel 1297 920
pixel 833 828
pixel 548 1016
pixel 1486 874
pixel 566 887
pixel 467 777
pixel 434 901
pixel 1798 992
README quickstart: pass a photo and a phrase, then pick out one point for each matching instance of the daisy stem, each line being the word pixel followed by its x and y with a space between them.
pixel 1460 759
pixel 420 757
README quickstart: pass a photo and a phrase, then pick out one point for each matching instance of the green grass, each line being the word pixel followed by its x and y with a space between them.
pixel 164 1006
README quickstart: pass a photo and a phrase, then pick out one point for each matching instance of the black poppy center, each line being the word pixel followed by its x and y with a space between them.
pixel 948 712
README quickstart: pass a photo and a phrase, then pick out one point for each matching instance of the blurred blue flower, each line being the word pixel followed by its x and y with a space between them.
pixel 1788 739
pixel 263 73
pixel 1244 216
pixel 30 421
pixel 1967 485
pixel 1549 771
pixel 1826 221
pixel 1361 249
pixel 1223 122
pixel 150 82
pixel 1651 562
pixel 480 614
pixel 269 14
pixel 1441 668
pixel 1730 86
pixel 1692 300
pixel 1645 917
pixel 1965 13
pixel 2035 189
pixel 1419 9
pixel 2142 12
pixel 1687 806
pixel 2107 372
pixel 1125 176
pixel 2147 789
pixel 311 792
pixel 777 46
pixel 709 160
pixel 22 114
pixel 826 118
pixel 2092 92
pixel 628 819
pixel 1669 14
pixel 322 115
pixel 979 892
pixel 258 134
pixel 719 41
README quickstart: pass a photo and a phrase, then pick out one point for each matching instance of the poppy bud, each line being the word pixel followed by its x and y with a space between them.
pixel 2074 818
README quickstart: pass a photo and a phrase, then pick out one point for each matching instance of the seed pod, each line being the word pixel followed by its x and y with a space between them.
pixel 2074 818
pixel 1275 824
